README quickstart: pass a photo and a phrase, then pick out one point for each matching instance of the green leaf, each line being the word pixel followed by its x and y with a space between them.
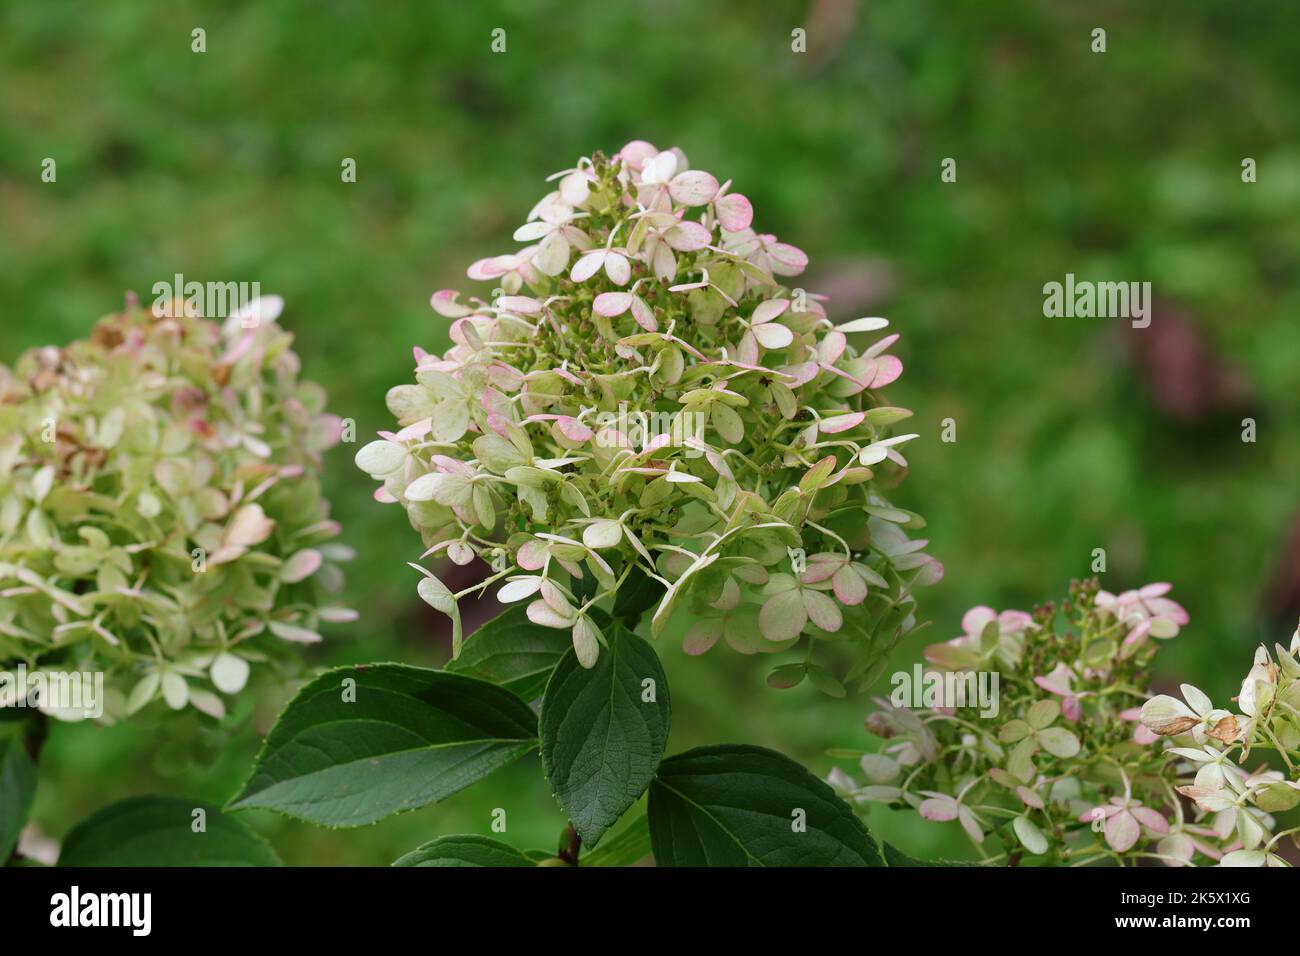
pixel 513 652
pixel 630 845
pixel 360 743
pixel 896 857
pixel 161 831
pixel 601 737
pixel 17 790
pixel 736 805
pixel 466 849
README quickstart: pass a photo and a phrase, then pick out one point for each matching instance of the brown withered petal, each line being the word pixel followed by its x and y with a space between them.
pixel 1226 730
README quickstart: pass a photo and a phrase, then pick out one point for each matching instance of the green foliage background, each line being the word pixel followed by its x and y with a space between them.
pixel 1125 165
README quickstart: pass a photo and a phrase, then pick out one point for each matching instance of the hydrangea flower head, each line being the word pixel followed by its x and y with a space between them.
pixel 160 519
pixel 1212 744
pixel 1067 769
pixel 646 399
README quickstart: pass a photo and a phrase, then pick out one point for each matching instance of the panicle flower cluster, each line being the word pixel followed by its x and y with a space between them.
pixel 643 405
pixel 160 518
pixel 1238 804
pixel 1065 772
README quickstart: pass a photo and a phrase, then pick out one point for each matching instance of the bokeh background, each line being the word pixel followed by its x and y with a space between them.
pixel 1073 434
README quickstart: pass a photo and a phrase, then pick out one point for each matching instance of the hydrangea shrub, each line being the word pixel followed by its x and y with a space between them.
pixel 642 420
pixel 160 516
pixel 645 410
pixel 1066 772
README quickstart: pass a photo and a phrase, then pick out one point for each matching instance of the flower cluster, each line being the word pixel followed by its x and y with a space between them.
pixel 160 519
pixel 1057 768
pixel 642 404
pixel 1239 804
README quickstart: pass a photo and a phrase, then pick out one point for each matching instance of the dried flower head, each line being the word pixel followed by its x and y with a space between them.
pixel 643 406
pixel 160 519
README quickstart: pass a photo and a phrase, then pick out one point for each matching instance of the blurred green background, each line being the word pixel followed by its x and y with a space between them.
pixel 1073 434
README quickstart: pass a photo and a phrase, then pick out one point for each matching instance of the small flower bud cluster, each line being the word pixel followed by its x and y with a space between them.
pixel 644 403
pixel 1058 768
pixel 1211 745
pixel 160 518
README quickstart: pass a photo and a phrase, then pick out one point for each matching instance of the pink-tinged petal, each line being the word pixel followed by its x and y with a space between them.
pixel 773 335
pixel 487 269
pixel 1011 621
pixel 735 212
pixel 462 332
pixel 939 809
pixel 701 636
pixel 587 265
pixel 974 620
pixel 1139 633
pixel 748 350
pixel 888 369
pixel 635 153
pixel 688 237
pixel 822 611
pixel 617 268
pixel 610 304
pixel 644 315
pixel 444 303
pixel 831 347
pixel 1122 831
pixel 1051 687
pixel 1164 607
pixel 1092 813
pixel 519 304
pixel 531 555
pixel 1071 709
pixel 787 260
pixel 301 566
pixel 1029 798
pixel 769 310
pixel 822 567
pixel 801 374
pixel 573 429
pixel 1151 819
pixel 693 187
pixel 1143 736
pixel 541 613
pixel 384 496
pixel 881 346
pixel 849 586
pixel 841 423
pixel 929 574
